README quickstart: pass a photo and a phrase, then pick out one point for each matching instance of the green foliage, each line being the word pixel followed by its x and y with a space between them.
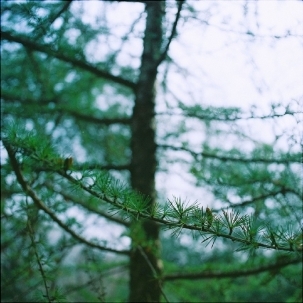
pixel 176 215
pixel 62 224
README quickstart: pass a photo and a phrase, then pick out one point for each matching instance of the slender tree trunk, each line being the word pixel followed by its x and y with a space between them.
pixel 144 261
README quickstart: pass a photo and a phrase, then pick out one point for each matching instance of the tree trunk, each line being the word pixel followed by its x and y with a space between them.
pixel 144 260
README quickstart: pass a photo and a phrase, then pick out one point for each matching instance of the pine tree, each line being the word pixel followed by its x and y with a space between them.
pixel 80 163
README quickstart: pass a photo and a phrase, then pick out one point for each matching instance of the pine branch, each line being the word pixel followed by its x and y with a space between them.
pixel 175 215
pixel 29 191
pixel 81 63
pixel 230 274
pixel 179 223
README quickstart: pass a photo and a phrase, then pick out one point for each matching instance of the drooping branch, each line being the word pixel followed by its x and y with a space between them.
pixel 39 203
pixel 230 274
pixel 81 63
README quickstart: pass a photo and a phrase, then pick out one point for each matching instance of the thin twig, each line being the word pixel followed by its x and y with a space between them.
pixel 153 270
pixel 173 32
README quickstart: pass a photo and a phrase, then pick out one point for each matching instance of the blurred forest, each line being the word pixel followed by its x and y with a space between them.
pixel 103 116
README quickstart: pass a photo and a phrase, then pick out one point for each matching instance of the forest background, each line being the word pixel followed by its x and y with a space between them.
pixel 151 151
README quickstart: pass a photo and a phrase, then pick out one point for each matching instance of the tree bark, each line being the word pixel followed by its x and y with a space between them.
pixel 144 260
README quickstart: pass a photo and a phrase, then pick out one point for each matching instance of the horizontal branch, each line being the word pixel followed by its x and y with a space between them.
pixel 92 119
pixel 171 223
pixel 81 63
pixel 226 158
pixel 177 216
pixel 261 197
pixel 28 190
pixel 43 108
pixel 250 201
pixel 102 166
pixel 226 119
pixel 230 274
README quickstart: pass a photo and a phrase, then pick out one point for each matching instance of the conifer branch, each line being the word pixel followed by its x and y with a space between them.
pixel 29 191
pixel 81 63
pixel 206 117
pixel 247 238
pixel 175 215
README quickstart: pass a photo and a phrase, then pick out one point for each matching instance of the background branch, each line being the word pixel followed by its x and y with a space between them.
pixel 225 158
pixel 231 274
pixel 49 49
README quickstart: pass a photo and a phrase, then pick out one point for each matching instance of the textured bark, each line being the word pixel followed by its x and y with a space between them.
pixel 144 262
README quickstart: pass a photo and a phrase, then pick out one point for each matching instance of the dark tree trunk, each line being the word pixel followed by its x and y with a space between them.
pixel 144 261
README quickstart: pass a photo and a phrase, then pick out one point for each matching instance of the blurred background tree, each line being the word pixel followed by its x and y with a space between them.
pixel 118 96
